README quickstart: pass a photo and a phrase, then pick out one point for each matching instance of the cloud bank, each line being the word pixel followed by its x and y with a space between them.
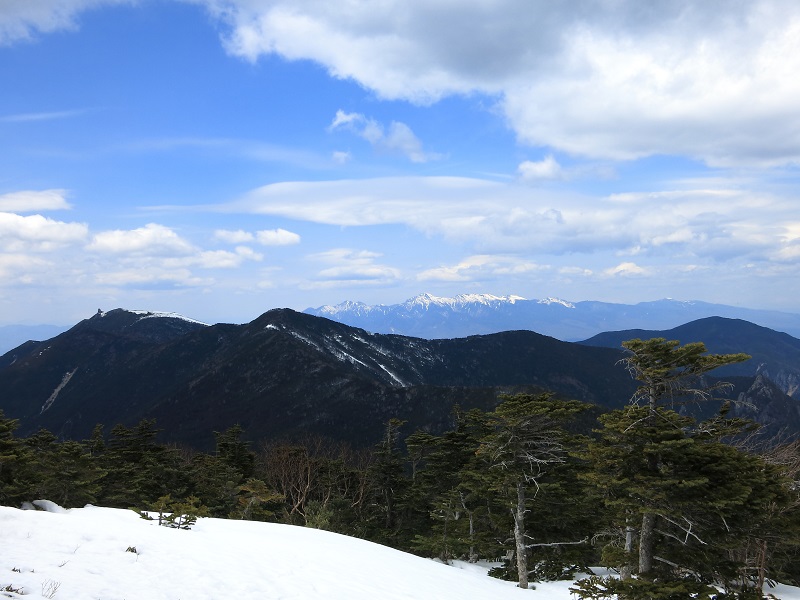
pixel 712 80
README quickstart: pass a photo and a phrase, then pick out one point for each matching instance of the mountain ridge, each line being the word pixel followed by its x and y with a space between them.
pixel 433 317
pixel 283 373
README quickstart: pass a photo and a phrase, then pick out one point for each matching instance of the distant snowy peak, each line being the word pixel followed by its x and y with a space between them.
pixel 348 306
pixel 437 317
pixel 557 301
pixel 460 301
pixel 421 302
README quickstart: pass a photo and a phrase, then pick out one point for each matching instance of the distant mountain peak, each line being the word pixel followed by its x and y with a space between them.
pixel 437 317
pixel 461 300
pixel 557 301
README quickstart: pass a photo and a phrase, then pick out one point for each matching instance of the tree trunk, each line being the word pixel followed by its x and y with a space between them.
pixel 519 536
pixel 646 536
pixel 473 557
pixel 630 535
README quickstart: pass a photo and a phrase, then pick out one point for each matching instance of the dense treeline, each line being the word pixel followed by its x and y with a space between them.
pixel 679 508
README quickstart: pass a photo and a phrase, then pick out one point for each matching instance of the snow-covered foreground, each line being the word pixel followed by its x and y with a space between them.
pixel 109 554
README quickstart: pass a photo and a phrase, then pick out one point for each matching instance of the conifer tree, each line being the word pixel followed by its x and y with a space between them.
pixel 388 486
pixel 12 456
pixel 527 441
pixel 140 470
pixel 449 483
pixel 675 485
pixel 63 472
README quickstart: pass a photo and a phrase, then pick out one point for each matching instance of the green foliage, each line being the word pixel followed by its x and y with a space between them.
pixel 177 514
pixel 690 499
pixel 140 470
pixel 525 449
pixel 253 500
pixel 234 452
pixel 612 588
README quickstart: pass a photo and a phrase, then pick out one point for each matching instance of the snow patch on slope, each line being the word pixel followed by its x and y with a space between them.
pixel 64 381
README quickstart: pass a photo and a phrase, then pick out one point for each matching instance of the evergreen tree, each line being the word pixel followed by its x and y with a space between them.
pixel 62 472
pixel 527 442
pixel 140 470
pixel 388 486
pixel 449 482
pixel 12 457
pixel 234 452
pixel 687 496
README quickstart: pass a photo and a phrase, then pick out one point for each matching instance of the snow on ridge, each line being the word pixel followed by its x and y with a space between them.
pixel 348 306
pixel 426 300
pixel 556 301
pixel 150 314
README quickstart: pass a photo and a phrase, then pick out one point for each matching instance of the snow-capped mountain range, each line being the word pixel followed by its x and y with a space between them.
pixel 434 317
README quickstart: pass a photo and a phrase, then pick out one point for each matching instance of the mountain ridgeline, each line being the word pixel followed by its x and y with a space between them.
pixel 288 374
pixel 430 316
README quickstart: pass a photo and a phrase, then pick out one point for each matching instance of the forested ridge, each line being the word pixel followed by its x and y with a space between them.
pixel 679 507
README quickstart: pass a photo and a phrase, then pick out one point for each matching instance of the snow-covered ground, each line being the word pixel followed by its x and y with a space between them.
pixel 97 553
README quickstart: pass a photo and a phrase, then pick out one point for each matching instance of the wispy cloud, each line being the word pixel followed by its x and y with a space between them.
pixel 22 19
pixel 397 137
pixel 500 217
pixel 265 237
pixel 348 267
pixel 482 268
pixel 41 116
pixel 34 201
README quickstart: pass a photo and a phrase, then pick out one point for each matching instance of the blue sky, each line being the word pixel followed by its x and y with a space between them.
pixel 219 158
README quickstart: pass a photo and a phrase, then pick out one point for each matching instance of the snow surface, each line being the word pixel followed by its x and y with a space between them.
pixel 88 554
pixel 149 314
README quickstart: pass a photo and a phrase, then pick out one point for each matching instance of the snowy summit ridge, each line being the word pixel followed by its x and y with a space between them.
pixel 423 301
pixel 153 314
pixel 436 317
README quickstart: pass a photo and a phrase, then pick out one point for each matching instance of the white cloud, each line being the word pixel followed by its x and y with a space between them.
pixel 21 19
pixel 351 268
pixel 341 157
pixel 266 237
pixel 38 233
pixel 34 201
pixel 151 240
pixel 397 139
pixel 233 237
pixel 547 168
pixel 626 269
pixel 277 237
pixel 154 278
pixel 481 268
pixel 714 80
pixel 491 217
pixel 213 259
pixel 20 268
